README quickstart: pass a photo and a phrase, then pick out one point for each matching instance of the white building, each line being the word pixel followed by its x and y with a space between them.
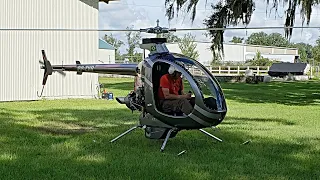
pixel 107 53
pixel 241 52
pixel 20 50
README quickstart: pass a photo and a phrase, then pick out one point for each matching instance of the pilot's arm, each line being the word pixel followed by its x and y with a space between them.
pixel 182 88
pixel 188 95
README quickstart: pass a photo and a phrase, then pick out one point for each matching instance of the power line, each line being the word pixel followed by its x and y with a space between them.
pixel 247 28
pixel 177 29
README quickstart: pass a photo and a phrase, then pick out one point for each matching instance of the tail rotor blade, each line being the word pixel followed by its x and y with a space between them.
pixel 45 77
pixel 60 72
pixel 47 70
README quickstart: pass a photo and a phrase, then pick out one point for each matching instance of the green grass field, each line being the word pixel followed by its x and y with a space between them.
pixel 69 139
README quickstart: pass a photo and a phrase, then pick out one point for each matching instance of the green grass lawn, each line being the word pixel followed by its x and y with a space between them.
pixel 70 139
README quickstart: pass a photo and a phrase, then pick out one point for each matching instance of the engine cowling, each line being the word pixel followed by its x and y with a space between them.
pixel 134 100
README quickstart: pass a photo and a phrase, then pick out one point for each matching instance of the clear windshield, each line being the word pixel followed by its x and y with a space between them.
pixel 210 90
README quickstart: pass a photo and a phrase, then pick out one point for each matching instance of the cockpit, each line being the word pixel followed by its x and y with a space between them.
pixel 205 88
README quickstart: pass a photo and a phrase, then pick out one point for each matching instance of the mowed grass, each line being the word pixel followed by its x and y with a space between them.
pixel 70 139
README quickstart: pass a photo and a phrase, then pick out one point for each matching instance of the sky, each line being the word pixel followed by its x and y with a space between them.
pixel 144 13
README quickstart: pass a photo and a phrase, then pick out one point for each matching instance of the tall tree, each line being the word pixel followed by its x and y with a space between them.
pixel 236 39
pixel 273 39
pixel 115 43
pixel 133 40
pixel 234 12
pixel 188 46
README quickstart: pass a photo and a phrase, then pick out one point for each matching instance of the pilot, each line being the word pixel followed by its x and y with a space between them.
pixel 171 95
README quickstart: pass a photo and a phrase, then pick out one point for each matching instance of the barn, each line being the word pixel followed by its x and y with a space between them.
pixel 22 41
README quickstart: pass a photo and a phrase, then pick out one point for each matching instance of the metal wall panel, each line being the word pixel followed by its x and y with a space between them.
pixel 107 56
pixel 233 53
pixel 20 51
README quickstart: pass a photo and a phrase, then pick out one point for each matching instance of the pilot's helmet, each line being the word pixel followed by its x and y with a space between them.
pixel 172 69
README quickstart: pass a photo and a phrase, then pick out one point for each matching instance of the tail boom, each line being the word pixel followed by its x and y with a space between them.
pixel 118 69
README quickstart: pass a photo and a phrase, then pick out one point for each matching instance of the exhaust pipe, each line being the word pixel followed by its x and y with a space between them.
pixel 121 100
pixel 129 101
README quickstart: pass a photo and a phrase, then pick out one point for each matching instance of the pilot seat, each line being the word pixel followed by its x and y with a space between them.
pixel 160 69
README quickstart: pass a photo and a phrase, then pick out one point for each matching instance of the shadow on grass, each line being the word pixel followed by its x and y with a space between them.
pixel 75 121
pixel 28 152
pixel 239 120
pixel 287 93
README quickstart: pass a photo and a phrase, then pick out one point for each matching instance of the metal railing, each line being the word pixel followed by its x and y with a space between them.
pixel 233 70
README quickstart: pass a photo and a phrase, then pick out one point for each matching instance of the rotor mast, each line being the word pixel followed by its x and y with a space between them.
pixel 155 45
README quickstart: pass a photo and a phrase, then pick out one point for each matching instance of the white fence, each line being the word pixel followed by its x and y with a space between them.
pixel 233 70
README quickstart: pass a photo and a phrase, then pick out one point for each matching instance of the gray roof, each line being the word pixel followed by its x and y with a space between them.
pixel 288 67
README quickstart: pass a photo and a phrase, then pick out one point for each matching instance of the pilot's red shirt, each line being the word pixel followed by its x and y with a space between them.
pixel 174 86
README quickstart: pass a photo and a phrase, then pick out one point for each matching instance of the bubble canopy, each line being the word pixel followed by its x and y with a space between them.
pixel 206 88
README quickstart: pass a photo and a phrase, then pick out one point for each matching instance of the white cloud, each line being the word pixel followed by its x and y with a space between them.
pixel 144 13
pixel 261 19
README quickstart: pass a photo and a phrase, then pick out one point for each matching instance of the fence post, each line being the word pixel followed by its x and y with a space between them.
pixel 257 70
pixel 238 70
pixel 228 69
pixel 219 69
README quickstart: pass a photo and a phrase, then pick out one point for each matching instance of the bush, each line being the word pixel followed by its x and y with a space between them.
pixel 259 60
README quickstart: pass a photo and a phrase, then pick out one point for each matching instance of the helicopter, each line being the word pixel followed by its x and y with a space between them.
pixel 210 106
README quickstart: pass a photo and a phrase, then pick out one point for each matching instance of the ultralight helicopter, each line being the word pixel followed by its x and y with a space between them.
pixel 210 106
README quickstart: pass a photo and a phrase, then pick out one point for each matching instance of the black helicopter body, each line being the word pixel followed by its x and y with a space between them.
pixel 210 107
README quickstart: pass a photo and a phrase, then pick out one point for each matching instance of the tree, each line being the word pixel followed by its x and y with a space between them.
pixel 188 46
pixel 115 43
pixel 273 39
pixel 133 40
pixel 316 52
pixel 304 51
pixel 171 38
pixel 236 39
pixel 234 12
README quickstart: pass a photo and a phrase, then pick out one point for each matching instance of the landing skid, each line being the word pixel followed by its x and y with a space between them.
pixel 167 136
pixel 128 131
pixel 214 137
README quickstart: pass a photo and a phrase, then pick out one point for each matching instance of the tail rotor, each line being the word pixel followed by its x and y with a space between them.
pixel 47 70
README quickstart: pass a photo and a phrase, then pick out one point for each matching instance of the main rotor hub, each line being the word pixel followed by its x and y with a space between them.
pixel 157 30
